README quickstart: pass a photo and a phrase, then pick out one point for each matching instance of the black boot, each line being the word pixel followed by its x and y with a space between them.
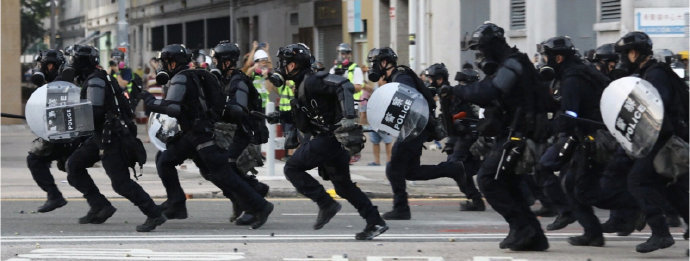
pixel 561 222
pixel 597 241
pixel 371 231
pixel 475 204
pixel 151 223
pixel 245 219
pixel 98 216
pixel 52 204
pixel 529 238
pixel 262 215
pixel 325 214
pixel 398 214
pixel 655 242
pixel 177 211
pixel 508 241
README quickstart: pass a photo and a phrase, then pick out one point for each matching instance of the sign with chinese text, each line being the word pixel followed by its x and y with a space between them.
pixel 662 22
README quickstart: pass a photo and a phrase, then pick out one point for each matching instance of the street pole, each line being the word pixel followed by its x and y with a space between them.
pixel 412 25
pixel 122 29
pixel 393 24
pixel 53 29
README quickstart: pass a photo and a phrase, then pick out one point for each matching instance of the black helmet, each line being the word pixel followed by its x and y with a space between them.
pixel 117 55
pixel 344 48
pixel 85 58
pixel 606 53
pixel 298 53
pixel 51 56
pixel 175 53
pixel 634 40
pixel 382 54
pixel 226 51
pixel 558 45
pixel 437 71
pixel 485 34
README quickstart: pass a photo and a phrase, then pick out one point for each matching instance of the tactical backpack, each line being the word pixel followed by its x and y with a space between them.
pixel 256 125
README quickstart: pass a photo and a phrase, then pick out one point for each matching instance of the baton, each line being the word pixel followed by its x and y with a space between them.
pixel 13 116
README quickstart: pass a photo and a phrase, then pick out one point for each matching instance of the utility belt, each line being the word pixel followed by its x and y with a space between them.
pixel 131 147
pixel 309 121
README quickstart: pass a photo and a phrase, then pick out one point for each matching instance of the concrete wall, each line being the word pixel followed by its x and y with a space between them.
pixel 575 19
pixel 444 35
pixel 472 15
pixel 610 32
pixel 10 74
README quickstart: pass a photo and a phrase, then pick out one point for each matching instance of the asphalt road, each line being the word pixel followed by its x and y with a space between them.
pixel 437 231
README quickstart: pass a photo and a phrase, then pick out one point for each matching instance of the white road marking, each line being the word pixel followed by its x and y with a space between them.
pixel 411 258
pixel 313 237
pixel 314 214
pixel 495 258
pixel 129 254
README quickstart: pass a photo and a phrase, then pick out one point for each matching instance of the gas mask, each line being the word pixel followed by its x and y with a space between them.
pixel 488 66
pixel 547 73
pixel 376 72
pixel 162 77
pixel 628 66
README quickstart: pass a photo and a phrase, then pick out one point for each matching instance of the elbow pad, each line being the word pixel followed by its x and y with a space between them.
pixel 507 76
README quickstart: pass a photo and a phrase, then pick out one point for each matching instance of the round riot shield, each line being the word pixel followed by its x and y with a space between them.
pixel 162 128
pixel 398 110
pixel 633 112
pixel 56 113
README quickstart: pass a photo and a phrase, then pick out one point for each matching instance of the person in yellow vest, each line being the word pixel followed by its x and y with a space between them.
pixel 346 67
pixel 259 73
pixel 286 92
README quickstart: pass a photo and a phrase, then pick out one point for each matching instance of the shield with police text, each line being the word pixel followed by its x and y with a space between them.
pixel 162 128
pixel 56 113
pixel 633 112
pixel 398 110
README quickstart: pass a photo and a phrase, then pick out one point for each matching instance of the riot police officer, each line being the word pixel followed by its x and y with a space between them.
pixel 515 106
pixel 245 128
pixel 644 183
pixel 323 106
pixel 114 143
pixel 194 99
pixel 459 119
pixel 605 59
pixel 43 152
pixel 405 156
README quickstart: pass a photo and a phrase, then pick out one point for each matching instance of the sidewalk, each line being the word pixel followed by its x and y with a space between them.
pixel 16 181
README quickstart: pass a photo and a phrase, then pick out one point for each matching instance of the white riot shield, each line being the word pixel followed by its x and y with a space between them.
pixel 54 112
pixel 162 128
pixel 633 112
pixel 398 110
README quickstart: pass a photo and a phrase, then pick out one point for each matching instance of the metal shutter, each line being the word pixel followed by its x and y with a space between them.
pixel 610 10
pixel 517 14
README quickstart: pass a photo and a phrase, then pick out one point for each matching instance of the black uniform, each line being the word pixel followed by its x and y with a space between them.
pixel 461 136
pixel 405 156
pixel 112 126
pixel 192 103
pixel 44 152
pixel 648 187
pixel 513 100
pixel 328 103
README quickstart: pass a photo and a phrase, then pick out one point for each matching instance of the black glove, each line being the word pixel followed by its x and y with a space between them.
pixel 146 96
pixel 273 117
pixel 445 91
pixel 350 135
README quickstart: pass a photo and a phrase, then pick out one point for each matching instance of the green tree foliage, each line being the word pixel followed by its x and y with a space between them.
pixel 32 11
